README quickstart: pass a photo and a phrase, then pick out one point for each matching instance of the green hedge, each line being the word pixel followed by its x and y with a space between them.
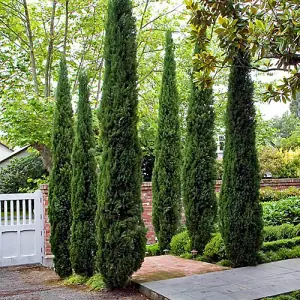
pixel 280 212
pixel 280 254
pixel 215 249
pixel 276 245
pixel 180 243
pixel 269 194
pixel 284 231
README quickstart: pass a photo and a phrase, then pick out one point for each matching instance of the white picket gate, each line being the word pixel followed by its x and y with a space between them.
pixel 21 240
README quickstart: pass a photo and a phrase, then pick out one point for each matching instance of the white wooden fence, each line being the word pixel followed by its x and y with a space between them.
pixel 21 231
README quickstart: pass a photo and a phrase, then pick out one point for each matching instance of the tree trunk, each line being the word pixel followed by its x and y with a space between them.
pixel 31 48
pixel 50 52
pixel 45 155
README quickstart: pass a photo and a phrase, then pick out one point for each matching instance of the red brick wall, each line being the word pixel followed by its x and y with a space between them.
pixel 279 184
pixel 47 246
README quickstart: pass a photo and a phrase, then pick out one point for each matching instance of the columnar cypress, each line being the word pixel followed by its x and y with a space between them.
pixel 240 211
pixel 60 178
pixel 199 171
pixel 120 229
pixel 84 187
pixel 166 173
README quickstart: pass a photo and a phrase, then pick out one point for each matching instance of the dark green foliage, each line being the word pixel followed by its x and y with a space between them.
pixel 84 187
pixel 21 173
pixel 181 243
pixel 276 245
pixel 280 254
pixel 166 173
pixel 269 194
pixel 60 177
pixel 199 170
pixel 283 211
pixel 215 250
pixel 284 231
pixel 121 234
pixel 240 211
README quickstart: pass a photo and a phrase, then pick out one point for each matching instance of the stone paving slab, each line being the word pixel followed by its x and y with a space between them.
pixel 246 283
pixel 169 266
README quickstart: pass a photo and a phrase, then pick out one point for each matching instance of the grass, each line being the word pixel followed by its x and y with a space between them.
pixel 75 280
pixel 95 283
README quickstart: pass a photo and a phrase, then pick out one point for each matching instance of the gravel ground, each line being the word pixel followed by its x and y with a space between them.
pixel 38 283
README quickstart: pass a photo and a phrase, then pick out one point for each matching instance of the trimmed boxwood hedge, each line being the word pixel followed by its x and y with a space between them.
pixel 269 194
pixel 276 245
pixel 284 231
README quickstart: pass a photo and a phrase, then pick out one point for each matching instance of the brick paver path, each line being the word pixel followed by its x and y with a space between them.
pixel 241 284
pixel 167 266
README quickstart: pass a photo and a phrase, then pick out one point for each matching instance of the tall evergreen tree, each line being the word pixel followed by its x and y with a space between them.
pixel 166 173
pixel 84 187
pixel 199 171
pixel 60 178
pixel 121 233
pixel 240 211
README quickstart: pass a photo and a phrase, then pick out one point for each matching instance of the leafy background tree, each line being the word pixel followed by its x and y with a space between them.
pixel 166 174
pixel 199 170
pixel 60 177
pixel 84 187
pixel 120 229
pixel 240 212
pixel 22 174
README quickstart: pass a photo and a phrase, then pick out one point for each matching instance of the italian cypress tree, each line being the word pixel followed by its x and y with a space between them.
pixel 199 171
pixel 166 173
pixel 60 178
pixel 84 187
pixel 121 233
pixel 240 211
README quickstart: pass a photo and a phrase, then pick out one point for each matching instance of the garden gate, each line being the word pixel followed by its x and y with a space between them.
pixel 21 229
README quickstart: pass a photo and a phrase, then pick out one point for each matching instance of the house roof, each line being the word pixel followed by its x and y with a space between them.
pixel 14 153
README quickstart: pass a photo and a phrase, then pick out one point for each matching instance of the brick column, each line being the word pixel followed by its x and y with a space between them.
pixel 47 255
pixel 147 211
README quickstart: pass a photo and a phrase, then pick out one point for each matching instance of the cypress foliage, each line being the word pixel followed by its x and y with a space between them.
pixel 60 178
pixel 166 173
pixel 121 233
pixel 199 171
pixel 84 187
pixel 240 211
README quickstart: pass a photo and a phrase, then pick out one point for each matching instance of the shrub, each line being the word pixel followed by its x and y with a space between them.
pixel 153 250
pixel 199 172
pixel 180 243
pixel 268 194
pixel 60 216
pixel 121 234
pixel 280 163
pixel 215 250
pixel 240 213
pixel 284 231
pixel 21 174
pixel 166 173
pixel 84 187
pixel 75 280
pixel 276 245
pixel 280 212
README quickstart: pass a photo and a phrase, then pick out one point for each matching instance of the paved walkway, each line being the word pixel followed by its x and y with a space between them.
pixel 243 283
pixel 169 266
